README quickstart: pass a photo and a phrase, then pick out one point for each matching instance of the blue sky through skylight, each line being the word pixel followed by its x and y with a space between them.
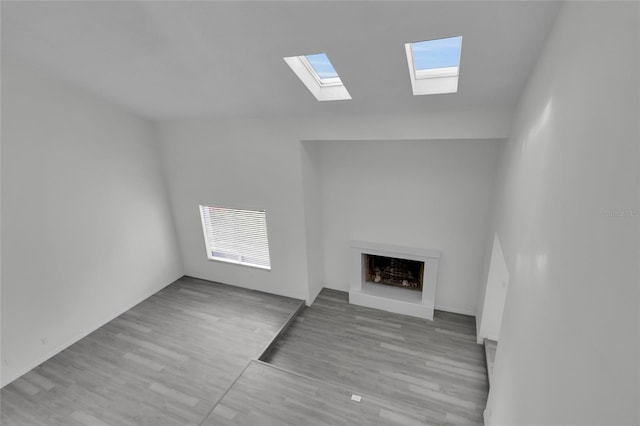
pixel 441 53
pixel 322 66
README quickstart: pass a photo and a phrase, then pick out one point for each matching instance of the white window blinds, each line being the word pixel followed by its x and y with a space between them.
pixel 236 236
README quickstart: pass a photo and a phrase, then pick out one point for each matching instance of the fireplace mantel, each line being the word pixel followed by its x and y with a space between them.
pixel 394 299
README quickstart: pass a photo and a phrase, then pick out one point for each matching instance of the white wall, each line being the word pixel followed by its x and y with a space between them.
pixel 423 194
pixel 493 295
pixel 240 166
pixel 312 196
pixel 86 228
pixel 259 163
pixel 568 352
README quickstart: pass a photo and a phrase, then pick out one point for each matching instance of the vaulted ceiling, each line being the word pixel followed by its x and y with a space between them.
pixel 224 59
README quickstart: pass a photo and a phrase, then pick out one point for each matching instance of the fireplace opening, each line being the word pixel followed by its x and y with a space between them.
pixel 393 271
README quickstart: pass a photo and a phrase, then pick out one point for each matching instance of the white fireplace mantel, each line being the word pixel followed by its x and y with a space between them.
pixel 394 299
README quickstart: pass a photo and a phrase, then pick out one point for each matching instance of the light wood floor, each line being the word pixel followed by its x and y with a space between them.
pixel 426 372
pixel 164 362
pixel 266 395
pixel 182 357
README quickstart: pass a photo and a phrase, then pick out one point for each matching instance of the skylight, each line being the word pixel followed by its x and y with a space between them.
pixel 322 65
pixel 434 65
pixel 431 54
pixel 319 76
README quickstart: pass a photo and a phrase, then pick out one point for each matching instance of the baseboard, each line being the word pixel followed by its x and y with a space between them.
pixel 50 354
pixel 313 297
pixel 480 339
pixel 453 310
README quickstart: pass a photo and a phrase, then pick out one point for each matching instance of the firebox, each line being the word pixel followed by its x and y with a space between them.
pixel 410 278
pixel 393 271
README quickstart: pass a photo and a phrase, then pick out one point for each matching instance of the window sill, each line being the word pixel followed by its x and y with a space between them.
pixel 235 262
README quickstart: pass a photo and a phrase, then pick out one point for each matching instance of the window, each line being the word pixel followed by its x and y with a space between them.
pixel 434 65
pixel 320 66
pixel 236 236
pixel 319 76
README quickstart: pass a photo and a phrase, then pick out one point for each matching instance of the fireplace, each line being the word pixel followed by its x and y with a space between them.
pixel 394 278
pixel 393 271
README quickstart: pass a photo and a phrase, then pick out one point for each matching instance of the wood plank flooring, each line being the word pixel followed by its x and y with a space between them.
pixel 164 362
pixel 181 356
pixel 435 368
pixel 266 395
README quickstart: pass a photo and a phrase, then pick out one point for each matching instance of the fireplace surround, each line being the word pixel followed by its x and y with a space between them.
pixel 394 278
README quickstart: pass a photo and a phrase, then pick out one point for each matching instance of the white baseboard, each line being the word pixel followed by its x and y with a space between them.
pixel 312 297
pixel 50 354
pixel 480 339
pixel 453 310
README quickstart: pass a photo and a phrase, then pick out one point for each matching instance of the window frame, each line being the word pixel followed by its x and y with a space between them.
pixel 323 82
pixel 210 249
pixel 323 89
pixel 433 81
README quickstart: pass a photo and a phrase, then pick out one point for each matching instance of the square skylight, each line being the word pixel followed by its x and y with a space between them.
pixel 434 65
pixel 319 76
pixel 441 53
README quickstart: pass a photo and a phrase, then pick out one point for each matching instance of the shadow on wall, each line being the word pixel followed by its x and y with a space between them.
pixel 495 294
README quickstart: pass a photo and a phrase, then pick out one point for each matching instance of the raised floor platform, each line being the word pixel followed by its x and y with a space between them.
pixel 166 361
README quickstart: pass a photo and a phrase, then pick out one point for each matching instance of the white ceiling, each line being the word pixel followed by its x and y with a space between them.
pixel 224 59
